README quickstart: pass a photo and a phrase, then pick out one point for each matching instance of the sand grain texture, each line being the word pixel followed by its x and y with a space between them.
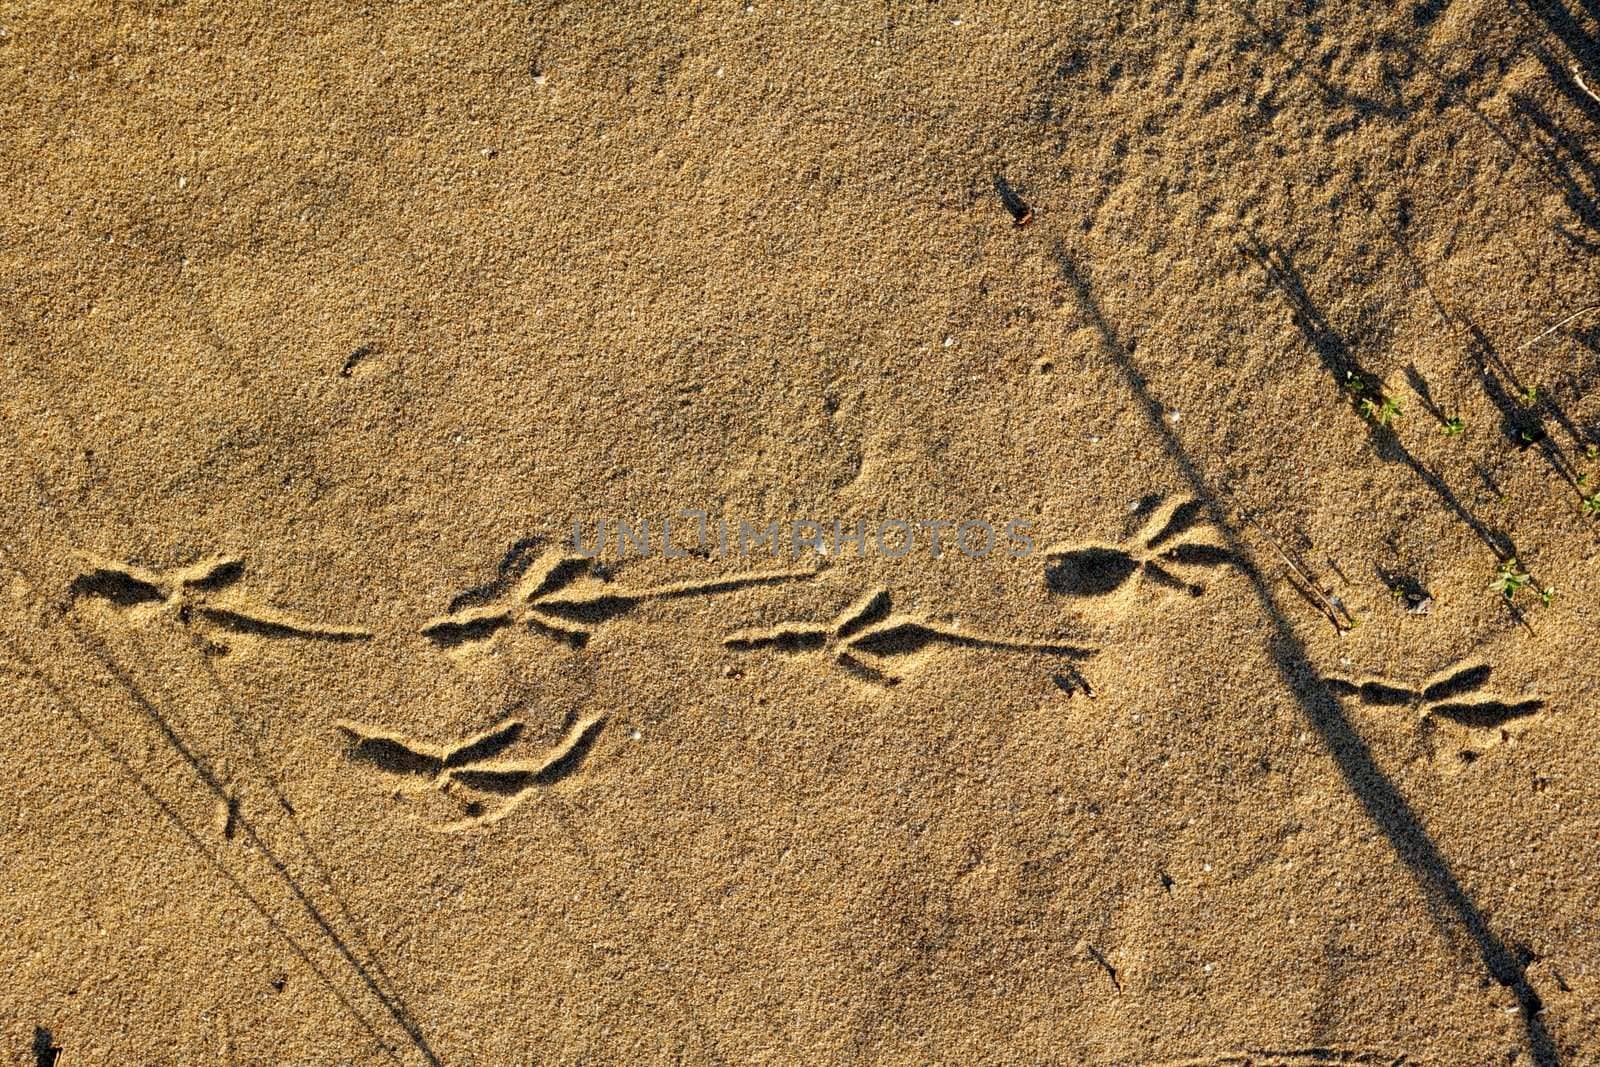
pixel 321 328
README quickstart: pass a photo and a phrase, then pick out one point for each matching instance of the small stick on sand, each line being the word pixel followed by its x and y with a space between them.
pixel 1577 73
pixel 1576 314
pixel 1332 609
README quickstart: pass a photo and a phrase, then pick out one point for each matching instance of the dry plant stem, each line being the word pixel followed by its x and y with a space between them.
pixel 1576 314
pixel 1577 73
pixel 1328 607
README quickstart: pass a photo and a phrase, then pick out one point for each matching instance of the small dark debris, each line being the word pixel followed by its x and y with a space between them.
pixel 45 1050
pixel 280 983
pixel 1166 881
pixel 1110 970
pixel 1021 213
pixel 1072 681
pixel 354 359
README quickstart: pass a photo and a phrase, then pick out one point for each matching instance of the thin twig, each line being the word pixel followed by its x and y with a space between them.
pixel 1577 72
pixel 1328 607
pixel 1563 322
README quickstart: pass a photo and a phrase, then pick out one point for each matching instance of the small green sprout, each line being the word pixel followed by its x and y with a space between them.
pixel 1592 452
pixel 1591 505
pixel 1453 426
pixel 1530 396
pixel 1383 414
pixel 1353 384
pixel 1508 580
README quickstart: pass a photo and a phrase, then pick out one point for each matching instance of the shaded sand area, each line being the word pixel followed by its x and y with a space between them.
pixel 1274 744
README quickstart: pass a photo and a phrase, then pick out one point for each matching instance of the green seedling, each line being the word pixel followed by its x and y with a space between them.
pixel 1509 581
pixel 1381 413
pixel 1453 426
pixel 1592 452
pixel 1591 505
pixel 1353 385
pixel 1530 396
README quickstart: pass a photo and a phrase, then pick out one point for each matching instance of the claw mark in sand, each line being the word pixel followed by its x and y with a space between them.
pixel 485 789
pixel 1161 553
pixel 564 598
pixel 865 636
pixel 199 597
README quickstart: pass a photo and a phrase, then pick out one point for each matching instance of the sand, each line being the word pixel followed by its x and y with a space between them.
pixel 322 328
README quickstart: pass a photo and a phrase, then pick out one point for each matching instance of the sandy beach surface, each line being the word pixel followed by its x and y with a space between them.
pixel 1131 594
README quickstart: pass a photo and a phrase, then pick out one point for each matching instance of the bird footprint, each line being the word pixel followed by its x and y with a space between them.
pixel 199 597
pixel 561 597
pixel 1160 551
pixel 1441 697
pixel 864 636
pixel 485 789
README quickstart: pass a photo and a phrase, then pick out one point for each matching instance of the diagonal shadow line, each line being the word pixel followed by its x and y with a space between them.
pixel 233 706
pixel 229 699
pixel 398 1008
pixel 36 671
pixel 1495 374
pixel 1378 796
pixel 1340 361
pixel 96 650
pixel 1568 29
